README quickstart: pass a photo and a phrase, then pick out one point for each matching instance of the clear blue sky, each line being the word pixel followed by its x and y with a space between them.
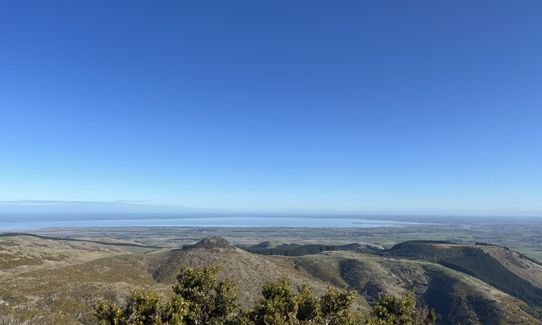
pixel 327 106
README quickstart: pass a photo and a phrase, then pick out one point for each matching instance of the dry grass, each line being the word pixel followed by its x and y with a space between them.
pixel 58 282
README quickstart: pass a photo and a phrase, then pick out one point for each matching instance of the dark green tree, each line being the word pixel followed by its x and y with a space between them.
pixel 308 307
pixel 278 305
pixel 336 307
pixel 143 308
pixel 209 301
pixel 389 310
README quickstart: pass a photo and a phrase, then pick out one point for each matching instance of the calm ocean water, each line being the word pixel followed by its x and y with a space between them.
pixel 33 222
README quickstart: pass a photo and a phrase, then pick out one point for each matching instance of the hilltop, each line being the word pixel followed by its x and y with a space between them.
pixel 249 271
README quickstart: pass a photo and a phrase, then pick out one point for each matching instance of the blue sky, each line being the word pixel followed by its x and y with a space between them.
pixel 319 106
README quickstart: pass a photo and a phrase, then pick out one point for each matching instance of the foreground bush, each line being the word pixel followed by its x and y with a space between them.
pixel 144 308
pixel 199 298
pixel 389 310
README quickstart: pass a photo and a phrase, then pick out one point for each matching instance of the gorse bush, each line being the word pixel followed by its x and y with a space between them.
pixel 144 308
pixel 208 301
pixel 400 311
pixel 199 298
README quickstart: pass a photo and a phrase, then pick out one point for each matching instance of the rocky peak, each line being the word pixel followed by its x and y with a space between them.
pixel 212 242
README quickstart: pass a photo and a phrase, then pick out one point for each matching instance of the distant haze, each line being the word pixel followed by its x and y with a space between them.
pixel 140 207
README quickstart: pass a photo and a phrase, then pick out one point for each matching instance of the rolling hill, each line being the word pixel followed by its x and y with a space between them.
pixel 57 281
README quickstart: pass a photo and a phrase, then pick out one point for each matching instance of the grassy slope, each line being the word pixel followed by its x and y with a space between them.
pixel 57 281
pixel 249 271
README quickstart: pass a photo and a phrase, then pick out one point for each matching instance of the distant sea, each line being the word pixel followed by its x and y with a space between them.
pixel 38 221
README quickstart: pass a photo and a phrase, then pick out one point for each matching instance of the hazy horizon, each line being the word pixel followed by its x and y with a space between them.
pixel 120 207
